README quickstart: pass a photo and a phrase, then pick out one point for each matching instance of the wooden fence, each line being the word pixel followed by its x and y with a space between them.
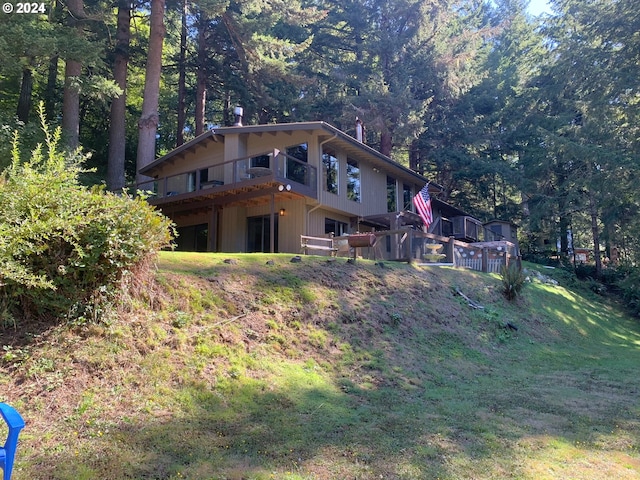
pixel 407 245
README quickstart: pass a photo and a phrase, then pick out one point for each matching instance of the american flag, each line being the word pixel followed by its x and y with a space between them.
pixel 422 201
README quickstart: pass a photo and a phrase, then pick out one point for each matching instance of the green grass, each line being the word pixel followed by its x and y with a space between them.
pixel 329 371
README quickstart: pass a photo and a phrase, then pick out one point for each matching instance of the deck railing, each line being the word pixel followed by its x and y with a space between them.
pixel 273 164
pixel 429 249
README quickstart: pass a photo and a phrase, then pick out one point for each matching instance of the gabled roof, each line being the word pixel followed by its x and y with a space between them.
pixel 330 135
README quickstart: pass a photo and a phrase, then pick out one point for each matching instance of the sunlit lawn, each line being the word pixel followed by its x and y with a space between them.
pixel 336 400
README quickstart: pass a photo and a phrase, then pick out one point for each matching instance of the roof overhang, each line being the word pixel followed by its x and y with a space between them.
pixel 201 141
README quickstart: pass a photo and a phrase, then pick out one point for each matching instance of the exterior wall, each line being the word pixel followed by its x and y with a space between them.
pixel 290 225
pixel 233 230
pixel 316 221
pixel 373 188
pixel 201 158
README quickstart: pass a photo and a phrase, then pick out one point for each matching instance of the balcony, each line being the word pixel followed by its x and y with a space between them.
pixel 250 177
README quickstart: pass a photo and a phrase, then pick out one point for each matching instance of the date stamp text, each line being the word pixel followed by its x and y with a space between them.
pixel 26 7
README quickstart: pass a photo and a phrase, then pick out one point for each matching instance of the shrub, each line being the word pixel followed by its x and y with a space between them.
pixel 630 290
pixel 64 248
pixel 512 281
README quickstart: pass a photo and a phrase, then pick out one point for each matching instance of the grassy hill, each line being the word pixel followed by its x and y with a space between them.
pixel 327 370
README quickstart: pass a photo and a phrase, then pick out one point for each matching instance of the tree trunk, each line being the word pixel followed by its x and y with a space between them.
pixel 595 231
pixel 226 118
pixel 71 104
pixel 201 84
pixel 24 102
pixel 385 143
pixel 148 123
pixel 414 156
pixel 182 77
pixel 72 72
pixel 50 95
pixel 117 128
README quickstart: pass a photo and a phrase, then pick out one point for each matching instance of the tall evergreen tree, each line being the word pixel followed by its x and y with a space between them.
pixel 117 126
pixel 149 118
pixel 589 84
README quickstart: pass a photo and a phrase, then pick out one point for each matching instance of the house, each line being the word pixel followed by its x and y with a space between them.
pixel 258 188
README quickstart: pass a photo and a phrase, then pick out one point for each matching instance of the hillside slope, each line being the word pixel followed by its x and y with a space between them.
pixel 234 367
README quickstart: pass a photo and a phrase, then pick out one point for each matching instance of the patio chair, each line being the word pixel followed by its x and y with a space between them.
pixel 8 452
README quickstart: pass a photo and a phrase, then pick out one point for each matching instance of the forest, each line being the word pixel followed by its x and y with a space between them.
pixel 530 119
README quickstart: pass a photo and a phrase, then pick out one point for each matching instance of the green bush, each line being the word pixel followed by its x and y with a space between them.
pixel 630 290
pixel 512 280
pixel 64 248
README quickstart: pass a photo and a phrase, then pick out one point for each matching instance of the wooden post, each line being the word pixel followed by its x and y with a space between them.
pixel 213 229
pixel 451 250
pixel 485 260
pixel 272 225
pixel 410 246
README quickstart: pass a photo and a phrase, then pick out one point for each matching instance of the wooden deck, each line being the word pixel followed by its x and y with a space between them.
pixel 413 246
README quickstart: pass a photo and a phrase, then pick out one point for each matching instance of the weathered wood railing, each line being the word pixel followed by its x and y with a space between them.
pixel 429 249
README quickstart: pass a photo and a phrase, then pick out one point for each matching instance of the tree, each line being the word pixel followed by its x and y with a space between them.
pixel 149 118
pixel 72 74
pixel 26 43
pixel 117 126
pixel 589 84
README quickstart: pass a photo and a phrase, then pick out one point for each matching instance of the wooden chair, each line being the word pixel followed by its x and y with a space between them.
pixel 8 452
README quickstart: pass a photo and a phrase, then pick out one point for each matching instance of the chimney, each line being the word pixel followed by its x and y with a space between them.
pixel 238 111
pixel 359 130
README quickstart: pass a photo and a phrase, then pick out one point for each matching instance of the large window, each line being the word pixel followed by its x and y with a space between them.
pixel 353 180
pixel 299 152
pixel 407 198
pixel 297 157
pixel 392 203
pixel 193 238
pixel 330 173
pixel 335 227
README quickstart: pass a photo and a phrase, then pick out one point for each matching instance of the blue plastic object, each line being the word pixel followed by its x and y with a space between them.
pixel 8 453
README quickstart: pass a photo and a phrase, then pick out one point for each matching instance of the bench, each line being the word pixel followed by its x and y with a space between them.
pixel 323 244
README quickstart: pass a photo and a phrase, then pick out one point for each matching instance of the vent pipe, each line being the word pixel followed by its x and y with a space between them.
pixel 238 111
pixel 359 130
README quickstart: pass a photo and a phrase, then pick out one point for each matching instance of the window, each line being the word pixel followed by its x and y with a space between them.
pixel 496 231
pixel 330 173
pixel 353 180
pixel 260 161
pixel 193 238
pixel 407 198
pixel 297 157
pixel 392 205
pixel 335 227
pixel 299 152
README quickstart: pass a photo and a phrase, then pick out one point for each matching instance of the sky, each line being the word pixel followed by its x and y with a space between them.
pixel 536 7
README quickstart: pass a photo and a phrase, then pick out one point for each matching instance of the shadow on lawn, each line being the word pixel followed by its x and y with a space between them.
pixel 252 432
pixel 415 399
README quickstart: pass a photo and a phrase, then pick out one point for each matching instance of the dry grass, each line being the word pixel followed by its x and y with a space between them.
pixel 325 370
